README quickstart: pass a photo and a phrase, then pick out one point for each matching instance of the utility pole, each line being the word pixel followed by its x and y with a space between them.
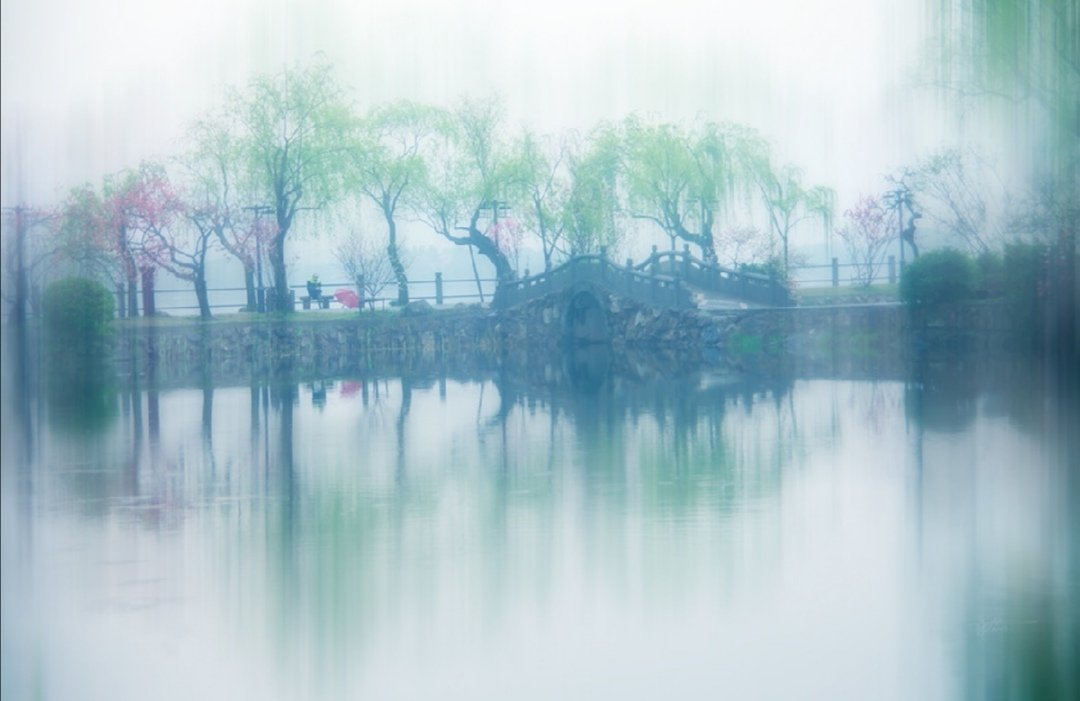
pixel 900 224
pixel 897 199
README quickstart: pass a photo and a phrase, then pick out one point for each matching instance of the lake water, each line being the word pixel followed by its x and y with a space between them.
pixel 487 538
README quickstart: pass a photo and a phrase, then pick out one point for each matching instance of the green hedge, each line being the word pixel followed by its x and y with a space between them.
pixel 78 315
pixel 938 277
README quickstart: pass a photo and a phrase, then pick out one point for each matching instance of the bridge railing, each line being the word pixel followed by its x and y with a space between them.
pixel 750 287
pixel 646 287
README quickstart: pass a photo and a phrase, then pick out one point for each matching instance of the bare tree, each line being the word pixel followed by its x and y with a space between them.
pixel 865 234
pixel 962 194
pixel 737 245
pixel 368 263
pixel 25 254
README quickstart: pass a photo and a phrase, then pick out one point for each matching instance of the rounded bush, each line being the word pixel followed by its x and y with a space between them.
pixel 78 314
pixel 938 277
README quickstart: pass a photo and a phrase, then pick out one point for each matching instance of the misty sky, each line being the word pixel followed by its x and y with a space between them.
pixel 93 86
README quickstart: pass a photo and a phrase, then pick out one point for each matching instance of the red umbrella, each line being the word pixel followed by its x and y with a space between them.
pixel 347 298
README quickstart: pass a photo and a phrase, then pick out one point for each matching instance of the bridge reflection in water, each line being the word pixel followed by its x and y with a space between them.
pixel 585 530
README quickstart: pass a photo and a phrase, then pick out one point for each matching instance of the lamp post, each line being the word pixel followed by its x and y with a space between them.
pixel 260 294
pixel 901 199
pixel 495 206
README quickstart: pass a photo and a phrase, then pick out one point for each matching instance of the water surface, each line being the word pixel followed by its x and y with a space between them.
pixel 442 537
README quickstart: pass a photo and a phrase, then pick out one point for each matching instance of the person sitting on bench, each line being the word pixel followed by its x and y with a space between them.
pixel 314 288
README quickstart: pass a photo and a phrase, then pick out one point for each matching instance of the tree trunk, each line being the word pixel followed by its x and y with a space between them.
pixel 133 295
pixel 708 243
pixel 280 302
pixel 148 291
pixel 504 272
pixel 708 249
pixel 202 295
pixel 130 270
pixel 395 259
pixel 249 286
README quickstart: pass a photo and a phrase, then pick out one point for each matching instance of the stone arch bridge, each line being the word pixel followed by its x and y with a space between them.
pixel 589 299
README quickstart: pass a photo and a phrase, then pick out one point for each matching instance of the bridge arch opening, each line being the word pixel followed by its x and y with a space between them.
pixel 586 320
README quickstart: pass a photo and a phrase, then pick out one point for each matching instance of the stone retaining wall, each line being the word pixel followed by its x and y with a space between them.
pixel 865 338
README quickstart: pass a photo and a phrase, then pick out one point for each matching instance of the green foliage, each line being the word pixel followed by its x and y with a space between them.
pixel 292 142
pixel 787 200
pixel 989 275
pixel 78 316
pixel 684 180
pixel 938 277
pixel 543 163
pixel 81 395
pixel 1025 275
pixel 78 322
pixel 742 344
pixel 386 166
pixel 1018 50
pixel 472 172
pixel 593 198
pixel 773 267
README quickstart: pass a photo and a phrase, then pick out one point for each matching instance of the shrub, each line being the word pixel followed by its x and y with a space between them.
pixel 989 275
pixel 78 315
pixel 1025 275
pixel 937 277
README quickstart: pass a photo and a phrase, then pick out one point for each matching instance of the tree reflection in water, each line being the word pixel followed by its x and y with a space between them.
pixel 343 531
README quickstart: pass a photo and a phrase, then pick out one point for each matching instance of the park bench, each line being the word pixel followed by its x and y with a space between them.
pixel 322 301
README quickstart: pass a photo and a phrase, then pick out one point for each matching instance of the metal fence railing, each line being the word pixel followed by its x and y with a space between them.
pixel 837 274
pixel 438 291
pixel 442 291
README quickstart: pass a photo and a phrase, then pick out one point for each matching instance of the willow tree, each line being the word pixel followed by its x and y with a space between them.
pixel 386 161
pixel 472 175
pixel 683 180
pixel 592 202
pixel 786 199
pixel 292 140
pixel 1023 57
pixel 1024 53
pixel 83 237
pixel 658 173
pixel 545 162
